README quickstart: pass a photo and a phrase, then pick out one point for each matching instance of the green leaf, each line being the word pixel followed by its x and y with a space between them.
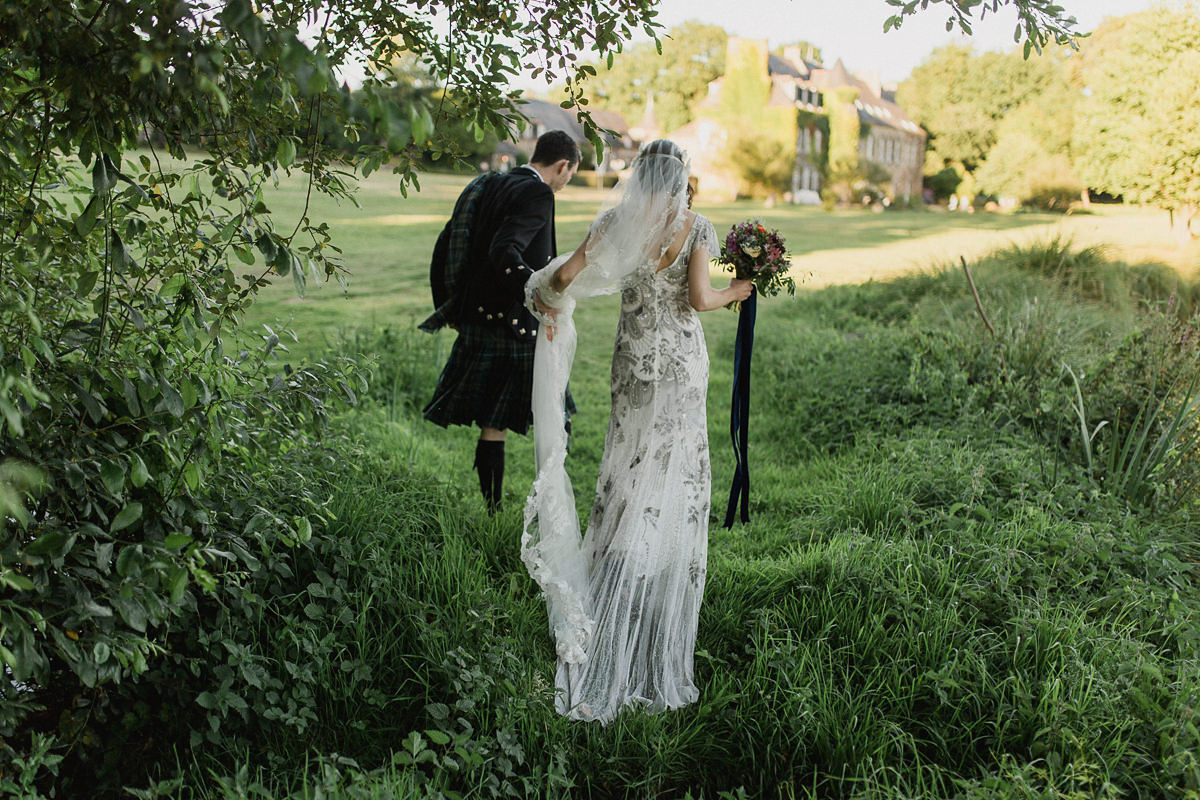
pixel 128 515
pixel 128 560
pixel 10 658
pixel 85 283
pixel 15 581
pixel 104 557
pixel 91 403
pixel 282 261
pixel 50 543
pixel 438 737
pixel 113 476
pixel 303 529
pixel 139 475
pixel 191 475
pixel 172 399
pixel 177 584
pixel 226 231
pixel 187 391
pixel 177 540
pixel 133 612
pixel 87 220
pixel 266 245
pixel 121 259
pixel 298 278
pixel 285 151
pixel 172 285
pixel 104 176
pixel 101 652
pixel 12 416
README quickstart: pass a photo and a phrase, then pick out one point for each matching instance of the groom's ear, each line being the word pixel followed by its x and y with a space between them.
pixel 562 171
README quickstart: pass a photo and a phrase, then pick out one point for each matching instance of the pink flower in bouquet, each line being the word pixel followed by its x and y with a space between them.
pixel 752 252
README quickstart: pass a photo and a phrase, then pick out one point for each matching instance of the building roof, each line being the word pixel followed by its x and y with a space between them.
pixel 777 65
pixel 551 116
pixel 875 105
pixel 838 76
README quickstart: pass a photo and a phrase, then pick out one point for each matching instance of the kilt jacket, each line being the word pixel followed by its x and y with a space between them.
pixel 501 231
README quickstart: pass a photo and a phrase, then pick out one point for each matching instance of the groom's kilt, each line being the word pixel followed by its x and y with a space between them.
pixel 487 381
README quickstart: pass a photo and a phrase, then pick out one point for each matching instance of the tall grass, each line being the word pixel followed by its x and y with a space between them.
pixel 946 588
pixel 938 594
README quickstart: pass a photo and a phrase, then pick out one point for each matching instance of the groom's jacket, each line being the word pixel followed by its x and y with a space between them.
pixel 502 229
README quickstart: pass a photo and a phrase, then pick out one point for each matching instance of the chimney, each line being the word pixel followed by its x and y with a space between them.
pixel 871 79
pixel 795 56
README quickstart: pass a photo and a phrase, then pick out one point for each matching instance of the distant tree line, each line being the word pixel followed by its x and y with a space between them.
pixel 1116 116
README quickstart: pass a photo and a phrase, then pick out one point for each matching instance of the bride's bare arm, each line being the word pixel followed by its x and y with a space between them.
pixel 557 284
pixel 569 268
pixel 701 293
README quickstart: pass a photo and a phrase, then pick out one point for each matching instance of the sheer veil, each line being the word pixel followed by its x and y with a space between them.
pixel 633 231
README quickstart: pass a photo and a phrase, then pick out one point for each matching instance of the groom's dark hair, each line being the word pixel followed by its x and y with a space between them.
pixel 554 146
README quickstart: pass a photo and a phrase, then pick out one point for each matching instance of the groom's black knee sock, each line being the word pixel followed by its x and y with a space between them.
pixel 489 462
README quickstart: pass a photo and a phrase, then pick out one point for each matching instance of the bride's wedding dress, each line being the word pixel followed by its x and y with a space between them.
pixel 624 599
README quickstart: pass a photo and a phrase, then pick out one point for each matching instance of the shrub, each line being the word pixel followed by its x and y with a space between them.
pixel 123 383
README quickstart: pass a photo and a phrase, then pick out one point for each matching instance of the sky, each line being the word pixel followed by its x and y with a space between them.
pixel 853 29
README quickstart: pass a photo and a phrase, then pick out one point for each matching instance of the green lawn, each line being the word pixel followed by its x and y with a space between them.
pixel 387 241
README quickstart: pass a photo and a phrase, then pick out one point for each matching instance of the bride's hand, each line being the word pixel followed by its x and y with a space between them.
pixel 742 289
pixel 549 311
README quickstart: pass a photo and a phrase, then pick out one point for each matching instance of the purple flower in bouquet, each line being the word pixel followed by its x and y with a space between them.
pixel 753 252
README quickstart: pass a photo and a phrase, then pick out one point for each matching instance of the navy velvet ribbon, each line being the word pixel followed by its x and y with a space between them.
pixel 739 412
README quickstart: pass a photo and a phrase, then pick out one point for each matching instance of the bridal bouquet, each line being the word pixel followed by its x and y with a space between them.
pixel 752 252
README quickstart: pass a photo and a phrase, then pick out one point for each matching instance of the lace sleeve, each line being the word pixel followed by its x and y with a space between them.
pixel 706 235
pixel 539 284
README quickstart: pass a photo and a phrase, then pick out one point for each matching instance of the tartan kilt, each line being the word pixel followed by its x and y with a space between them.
pixel 487 381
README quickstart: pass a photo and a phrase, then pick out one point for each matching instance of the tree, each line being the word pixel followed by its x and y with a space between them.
pixel 1030 159
pixel 761 138
pixel 1020 167
pixel 845 173
pixel 693 55
pixel 1135 132
pixel 1039 22
pixel 963 99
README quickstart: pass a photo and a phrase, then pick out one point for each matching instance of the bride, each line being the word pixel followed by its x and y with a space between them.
pixel 624 599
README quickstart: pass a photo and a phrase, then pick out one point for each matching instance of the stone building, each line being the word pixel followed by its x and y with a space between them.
pixel 888 137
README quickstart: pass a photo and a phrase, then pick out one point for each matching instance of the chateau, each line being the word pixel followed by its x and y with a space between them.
pixel 798 107
pixel 800 97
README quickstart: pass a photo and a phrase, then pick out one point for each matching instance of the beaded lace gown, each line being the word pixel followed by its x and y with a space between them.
pixel 625 617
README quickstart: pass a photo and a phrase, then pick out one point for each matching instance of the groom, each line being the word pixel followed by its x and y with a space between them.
pixel 501 231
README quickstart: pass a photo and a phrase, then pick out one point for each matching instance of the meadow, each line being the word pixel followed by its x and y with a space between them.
pixel 956 581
